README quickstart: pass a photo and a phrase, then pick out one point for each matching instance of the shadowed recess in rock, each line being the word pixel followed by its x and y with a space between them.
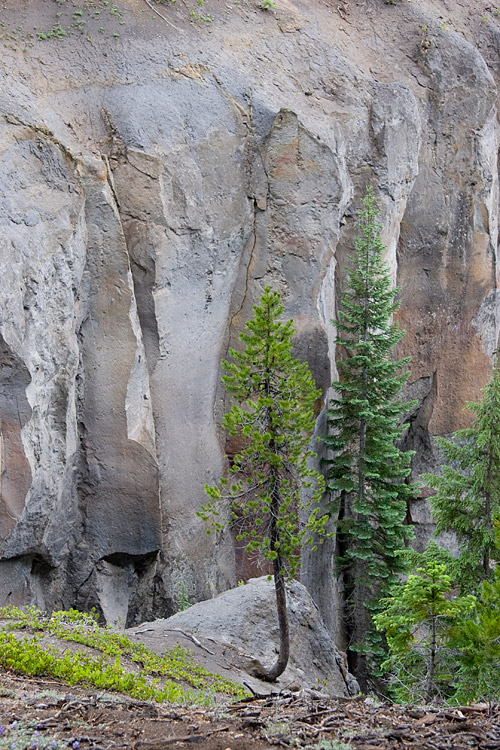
pixel 15 473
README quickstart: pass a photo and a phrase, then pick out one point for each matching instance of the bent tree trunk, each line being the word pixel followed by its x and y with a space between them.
pixel 279 586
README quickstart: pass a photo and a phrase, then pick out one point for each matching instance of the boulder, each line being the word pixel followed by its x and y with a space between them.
pixel 240 628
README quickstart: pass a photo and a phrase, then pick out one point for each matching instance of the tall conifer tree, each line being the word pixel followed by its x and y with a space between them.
pixel 367 472
pixel 467 498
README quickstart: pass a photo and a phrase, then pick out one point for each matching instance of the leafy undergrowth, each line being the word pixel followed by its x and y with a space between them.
pixel 121 664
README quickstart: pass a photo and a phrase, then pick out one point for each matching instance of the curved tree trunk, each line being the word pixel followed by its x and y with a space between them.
pixel 279 585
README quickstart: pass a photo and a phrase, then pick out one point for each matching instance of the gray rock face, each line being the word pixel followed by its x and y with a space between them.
pixel 150 186
pixel 244 618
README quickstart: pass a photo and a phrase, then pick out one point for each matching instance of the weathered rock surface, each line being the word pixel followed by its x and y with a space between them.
pixel 244 623
pixel 151 184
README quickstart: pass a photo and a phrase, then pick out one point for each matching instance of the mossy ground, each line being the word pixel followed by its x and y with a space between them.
pixel 71 646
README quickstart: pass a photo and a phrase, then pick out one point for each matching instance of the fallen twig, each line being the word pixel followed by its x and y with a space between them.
pixel 192 638
pixel 167 741
pixel 163 17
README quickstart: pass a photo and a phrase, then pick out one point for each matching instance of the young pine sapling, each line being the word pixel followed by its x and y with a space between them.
pixel 274 396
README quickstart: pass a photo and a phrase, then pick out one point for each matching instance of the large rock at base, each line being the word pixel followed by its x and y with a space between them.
pixel 244 619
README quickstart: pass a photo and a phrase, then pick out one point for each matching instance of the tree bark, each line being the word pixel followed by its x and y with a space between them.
pixel 279 586
pixel 432 664
pixel 487 513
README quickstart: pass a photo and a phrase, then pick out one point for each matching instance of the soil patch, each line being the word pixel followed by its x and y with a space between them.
pixel 40 713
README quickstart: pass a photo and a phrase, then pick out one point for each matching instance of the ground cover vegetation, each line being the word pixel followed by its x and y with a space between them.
pixel 39 714
pixel 120 664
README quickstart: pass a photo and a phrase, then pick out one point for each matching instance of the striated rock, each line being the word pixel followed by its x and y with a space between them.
pixel 151 185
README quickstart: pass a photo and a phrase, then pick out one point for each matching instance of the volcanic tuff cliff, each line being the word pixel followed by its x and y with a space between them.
pixel 154 177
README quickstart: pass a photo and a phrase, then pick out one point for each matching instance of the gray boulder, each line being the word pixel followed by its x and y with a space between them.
pixel 244 623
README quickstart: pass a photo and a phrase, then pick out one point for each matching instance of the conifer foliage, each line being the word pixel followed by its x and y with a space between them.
pixel 274 396
pixel 467 498
pixel 417 619
pixel 478 640
pixel 367 472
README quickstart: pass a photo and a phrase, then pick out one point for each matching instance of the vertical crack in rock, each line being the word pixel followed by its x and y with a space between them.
pixel 257 190
pixel 15 411
pixel 119 494
pixel 184 209
pixel 307 188
pixel 417 438
pixel 391 155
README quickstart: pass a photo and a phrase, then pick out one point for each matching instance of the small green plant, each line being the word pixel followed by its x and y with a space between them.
pixel 267 5
pixel 200 15
pixel 330 745
pixel 416 620
pixel 29 656
pixel 276 730
pixel 56 31
pixel 182 598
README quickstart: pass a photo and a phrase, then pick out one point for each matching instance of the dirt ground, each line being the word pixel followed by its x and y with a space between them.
pixel 40 713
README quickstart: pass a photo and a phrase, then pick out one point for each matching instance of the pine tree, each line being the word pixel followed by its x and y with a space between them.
pixel 417 619
pixel 367 473
pixel 467 498
pixel 274 396
pixel 477 638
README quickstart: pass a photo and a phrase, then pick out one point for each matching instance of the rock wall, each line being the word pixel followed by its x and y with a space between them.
pixel 150 186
